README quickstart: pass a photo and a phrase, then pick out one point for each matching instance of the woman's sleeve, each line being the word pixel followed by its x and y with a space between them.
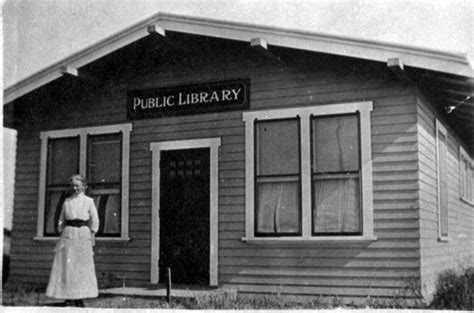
pixel 94 217
pixel 61 219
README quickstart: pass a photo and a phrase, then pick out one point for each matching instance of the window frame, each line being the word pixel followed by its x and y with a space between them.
pixel 440 128
pixel 83 134
pixel 466 191
pixel 364 109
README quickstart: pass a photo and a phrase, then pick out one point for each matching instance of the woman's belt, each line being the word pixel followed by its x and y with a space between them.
pixel 76 223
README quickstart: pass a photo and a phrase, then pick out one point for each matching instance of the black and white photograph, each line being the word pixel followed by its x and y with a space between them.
pixel 237 155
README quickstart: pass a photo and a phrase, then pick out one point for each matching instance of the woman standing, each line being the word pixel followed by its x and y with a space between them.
pixel 73 273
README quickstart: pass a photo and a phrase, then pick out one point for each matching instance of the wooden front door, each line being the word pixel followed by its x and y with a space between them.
pixel 184 216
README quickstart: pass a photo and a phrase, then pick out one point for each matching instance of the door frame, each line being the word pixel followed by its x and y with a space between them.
pixel 156 147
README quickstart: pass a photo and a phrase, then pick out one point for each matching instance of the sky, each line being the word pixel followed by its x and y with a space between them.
pixel 38 33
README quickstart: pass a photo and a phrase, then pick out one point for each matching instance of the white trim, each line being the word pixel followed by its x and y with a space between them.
pixel 334 239
pixel 453 63
pixel 82 133
pixel 113 239
pixel 440 128
pixel 305 113
pixel 156 148
pixel 467 192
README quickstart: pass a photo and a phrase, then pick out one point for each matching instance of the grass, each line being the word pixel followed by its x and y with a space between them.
pixel 218 300
pixel 455 291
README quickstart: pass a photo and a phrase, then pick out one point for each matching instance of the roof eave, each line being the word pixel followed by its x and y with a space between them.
pixel 445 62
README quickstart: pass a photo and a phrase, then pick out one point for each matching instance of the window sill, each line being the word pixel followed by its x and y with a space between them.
pixel 113 239
pixel 444 239
pixel 264 240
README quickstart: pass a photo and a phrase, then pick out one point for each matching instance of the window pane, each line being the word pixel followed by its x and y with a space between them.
pixel 278 207
pixel 104 159
pixel 54 204
pixel 108 207
pixel 63 160
pixel 277 147
pixel 336 143
pixel 336 204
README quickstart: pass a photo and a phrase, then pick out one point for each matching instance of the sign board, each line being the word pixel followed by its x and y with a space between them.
pixel 189 99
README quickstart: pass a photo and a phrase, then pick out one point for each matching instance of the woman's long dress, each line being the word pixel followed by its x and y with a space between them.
pixel 73 272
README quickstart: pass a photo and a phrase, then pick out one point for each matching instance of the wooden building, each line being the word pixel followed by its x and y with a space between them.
pixel 263 159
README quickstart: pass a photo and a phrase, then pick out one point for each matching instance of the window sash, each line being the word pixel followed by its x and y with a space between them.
pixel 278 210
pixel 286 182
pixel 57 189
pixel 94 143
pixel 54 161
pixel 284 159
pixel 343 133
pixel 104 185
pixel 339 150
pixel 334 205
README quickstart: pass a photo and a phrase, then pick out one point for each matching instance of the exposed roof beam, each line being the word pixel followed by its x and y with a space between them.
pixel 397 68
pixel 79 74
pixel 155 29
pixel 260 45
pixel 69 71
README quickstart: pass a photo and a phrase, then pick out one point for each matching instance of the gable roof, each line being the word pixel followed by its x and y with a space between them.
pixel 443 62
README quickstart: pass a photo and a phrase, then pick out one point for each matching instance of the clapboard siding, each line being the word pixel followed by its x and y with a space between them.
pixel 437 256
pixel 339 268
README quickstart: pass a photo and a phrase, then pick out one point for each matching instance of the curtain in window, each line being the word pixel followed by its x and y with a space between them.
pixel 112 215
pixel 54 204
pixel 337 203
pixel 277 211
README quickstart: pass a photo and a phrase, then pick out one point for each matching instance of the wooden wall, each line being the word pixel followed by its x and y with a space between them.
pixel 348 269
pixel 458 252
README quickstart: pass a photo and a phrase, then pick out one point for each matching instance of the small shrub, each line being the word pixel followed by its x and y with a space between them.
pixel 454 291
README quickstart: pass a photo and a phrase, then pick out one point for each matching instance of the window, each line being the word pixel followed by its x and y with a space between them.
pixel 466 175
pixel 102 153
pixel 442 179
pixel 309 173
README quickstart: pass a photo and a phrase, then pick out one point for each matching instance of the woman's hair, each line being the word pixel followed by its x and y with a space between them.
pixel 80 178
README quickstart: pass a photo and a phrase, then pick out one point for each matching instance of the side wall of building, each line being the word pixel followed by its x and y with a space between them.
pixel 346 268
pixel 458 251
